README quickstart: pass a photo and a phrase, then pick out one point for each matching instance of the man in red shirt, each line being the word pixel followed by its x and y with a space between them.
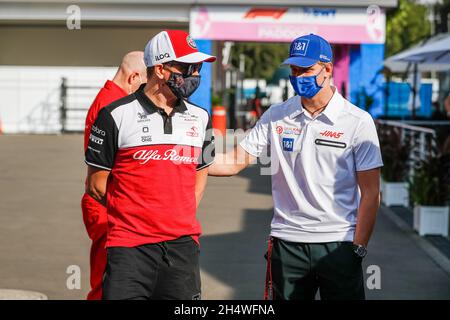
pixel 129 76
pixel 147 160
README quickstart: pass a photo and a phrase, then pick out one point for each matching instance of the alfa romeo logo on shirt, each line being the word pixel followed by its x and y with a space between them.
pixel 191 42
pixel 145 156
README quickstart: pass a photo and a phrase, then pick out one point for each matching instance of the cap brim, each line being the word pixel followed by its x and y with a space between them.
pixel 196 57
pixel 300 62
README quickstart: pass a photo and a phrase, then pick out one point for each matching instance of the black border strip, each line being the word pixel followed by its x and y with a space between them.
pixel 329 143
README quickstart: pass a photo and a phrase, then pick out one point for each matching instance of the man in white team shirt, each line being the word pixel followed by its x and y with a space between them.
pixel 325 161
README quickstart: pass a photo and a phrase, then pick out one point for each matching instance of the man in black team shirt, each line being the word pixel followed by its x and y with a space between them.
pixel 148 162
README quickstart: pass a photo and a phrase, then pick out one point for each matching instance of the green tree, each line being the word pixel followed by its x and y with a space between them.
pixel 261 59
pixel 442 10
pixel 406 25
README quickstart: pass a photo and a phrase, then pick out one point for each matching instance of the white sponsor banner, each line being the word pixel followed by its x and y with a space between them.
pixel 337 25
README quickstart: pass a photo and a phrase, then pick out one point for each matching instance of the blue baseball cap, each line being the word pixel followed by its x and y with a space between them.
pixel 307 50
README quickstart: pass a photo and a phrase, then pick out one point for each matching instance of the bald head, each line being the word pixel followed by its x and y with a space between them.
pixel 133 62
pixel 132 71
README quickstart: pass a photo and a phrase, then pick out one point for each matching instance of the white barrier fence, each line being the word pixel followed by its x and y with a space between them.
pixel 31 96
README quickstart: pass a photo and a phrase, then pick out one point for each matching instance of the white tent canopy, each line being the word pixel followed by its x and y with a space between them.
pixel 433 55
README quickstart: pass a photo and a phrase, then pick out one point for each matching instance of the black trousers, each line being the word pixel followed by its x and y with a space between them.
pixel 299 270
pixel 162 271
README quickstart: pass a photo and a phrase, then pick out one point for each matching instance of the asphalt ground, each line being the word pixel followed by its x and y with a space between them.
pixel 43 239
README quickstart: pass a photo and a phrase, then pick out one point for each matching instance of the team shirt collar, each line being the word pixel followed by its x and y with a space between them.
pixel 111 85
pixel 331 111
pixel 296 107
pixel 334 107
pixel 150 107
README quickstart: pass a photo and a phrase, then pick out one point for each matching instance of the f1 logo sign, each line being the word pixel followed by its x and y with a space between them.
pixel 262 12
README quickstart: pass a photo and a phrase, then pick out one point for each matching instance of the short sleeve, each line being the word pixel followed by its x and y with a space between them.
pixel 103 142
pixel 208 149
pixel 366 146
pixel 258 138
pixel 90 119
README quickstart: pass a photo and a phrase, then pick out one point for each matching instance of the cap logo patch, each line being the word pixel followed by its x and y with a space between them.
pixel 324 57
pixel 191 42
pixel 300 47
pixel 162 56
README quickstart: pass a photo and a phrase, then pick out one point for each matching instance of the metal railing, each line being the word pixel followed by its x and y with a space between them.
pixel 421 140
pixel 75 101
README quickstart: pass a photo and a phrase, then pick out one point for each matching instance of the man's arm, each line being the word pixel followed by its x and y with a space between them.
pixel 244 153
pixel 200 184
pixel 96 183
pixel 231 163
pixel 369 183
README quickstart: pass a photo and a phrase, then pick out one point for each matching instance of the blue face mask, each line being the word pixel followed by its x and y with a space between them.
pixel 306 86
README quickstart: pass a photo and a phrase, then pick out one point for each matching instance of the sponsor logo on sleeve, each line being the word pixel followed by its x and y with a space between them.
pixel 95 139
pixel 98 131
pixel 94 150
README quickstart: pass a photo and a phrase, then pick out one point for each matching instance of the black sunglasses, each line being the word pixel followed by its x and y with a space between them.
pixel 187 69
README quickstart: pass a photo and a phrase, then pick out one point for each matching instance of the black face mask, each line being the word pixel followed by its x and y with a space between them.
pixel 183 87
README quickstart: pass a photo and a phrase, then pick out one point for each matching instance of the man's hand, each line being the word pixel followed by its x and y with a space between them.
pixel 96 183
pixel 369 183
pixel 231 163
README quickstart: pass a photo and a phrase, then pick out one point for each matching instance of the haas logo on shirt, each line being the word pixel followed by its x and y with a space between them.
pixel 331 134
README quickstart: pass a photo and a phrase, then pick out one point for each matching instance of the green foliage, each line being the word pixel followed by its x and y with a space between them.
pixel 430 183
pixel 442 10
pixel 216 99
pixel 395 154
pixel 405 26
pixel 261 59
pixel 364 100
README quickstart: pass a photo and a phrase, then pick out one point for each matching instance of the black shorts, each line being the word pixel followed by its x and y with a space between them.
pixel 166 270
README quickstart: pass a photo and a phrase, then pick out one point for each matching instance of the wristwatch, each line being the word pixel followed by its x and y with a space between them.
pixel 359 250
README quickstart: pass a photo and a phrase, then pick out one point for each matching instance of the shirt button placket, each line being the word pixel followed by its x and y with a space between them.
pixel 304 133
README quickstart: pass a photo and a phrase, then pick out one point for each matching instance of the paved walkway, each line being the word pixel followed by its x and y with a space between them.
pixel 41 231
